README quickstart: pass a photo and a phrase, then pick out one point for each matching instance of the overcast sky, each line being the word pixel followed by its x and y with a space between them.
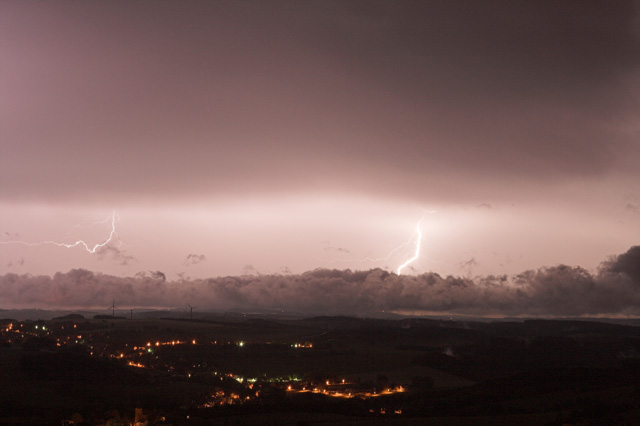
pixel 263 137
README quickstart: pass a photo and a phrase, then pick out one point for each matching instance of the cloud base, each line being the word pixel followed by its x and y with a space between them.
pixel 614 289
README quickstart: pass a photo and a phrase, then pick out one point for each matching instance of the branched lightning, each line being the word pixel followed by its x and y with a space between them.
pixel 417 252
pixel 372 259
pixel 401 246
pixel 113 217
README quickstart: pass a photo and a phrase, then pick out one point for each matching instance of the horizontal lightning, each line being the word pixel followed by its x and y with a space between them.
pixel 371 259
pixel 113 217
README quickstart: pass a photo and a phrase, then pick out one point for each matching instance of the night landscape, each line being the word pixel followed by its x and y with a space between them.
pixel 319 212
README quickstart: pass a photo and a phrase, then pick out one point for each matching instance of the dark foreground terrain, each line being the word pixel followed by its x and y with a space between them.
pixel 237 370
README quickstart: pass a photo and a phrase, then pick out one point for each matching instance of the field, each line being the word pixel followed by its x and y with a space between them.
pixel 232 370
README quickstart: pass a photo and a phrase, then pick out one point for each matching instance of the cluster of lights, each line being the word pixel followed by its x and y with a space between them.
pixel 340 390
pixel 167 343
pixel 220 398
pixel 384 411
pixel 336 389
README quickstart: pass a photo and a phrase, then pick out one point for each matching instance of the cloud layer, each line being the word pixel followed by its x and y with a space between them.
pixel 230 133
pixel 552 291
pixel 400 98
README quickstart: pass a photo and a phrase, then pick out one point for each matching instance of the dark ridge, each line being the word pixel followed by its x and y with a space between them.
pixel 70 317
pixel 77 367
pixel 107 317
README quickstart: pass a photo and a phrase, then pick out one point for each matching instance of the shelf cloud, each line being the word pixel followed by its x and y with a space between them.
pixel 550 291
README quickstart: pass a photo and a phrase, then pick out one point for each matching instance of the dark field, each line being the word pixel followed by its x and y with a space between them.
pixel 236 370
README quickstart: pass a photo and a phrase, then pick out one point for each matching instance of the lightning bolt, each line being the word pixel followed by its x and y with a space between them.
pixel 113 217
pixel 417 252
pixel 371 259
pixel 418 242
pixel 401 246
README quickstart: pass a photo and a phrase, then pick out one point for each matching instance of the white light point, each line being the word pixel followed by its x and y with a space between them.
pixel 113 217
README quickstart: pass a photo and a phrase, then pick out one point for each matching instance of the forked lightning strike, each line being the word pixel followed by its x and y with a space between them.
pixel 388 256
pixel 417 252
pixel 112 236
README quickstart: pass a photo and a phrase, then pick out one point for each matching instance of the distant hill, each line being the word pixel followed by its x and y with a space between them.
pixel 107 317
pixel 70 317
pixel 43 314
pixel 40 314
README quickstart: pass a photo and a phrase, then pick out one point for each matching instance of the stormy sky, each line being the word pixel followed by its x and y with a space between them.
pixel 264 139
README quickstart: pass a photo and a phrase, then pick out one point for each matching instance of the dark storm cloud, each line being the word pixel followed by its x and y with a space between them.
pixel 115 253
pixel 327 246
pixel 249 270
pixel 391 95
pixel 553 291
pixel 156 275
pixel 468 265
pixel 284 270
pixel 627 263
pixel 485 206
pixel 19 262
pixel 194 259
